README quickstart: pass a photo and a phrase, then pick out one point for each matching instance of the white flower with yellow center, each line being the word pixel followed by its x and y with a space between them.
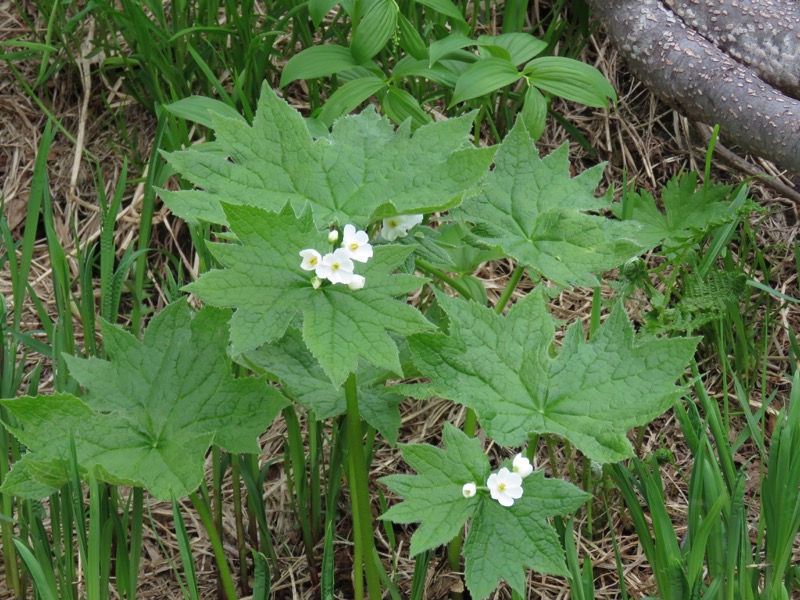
pixel 469 489
pixel 356 243
pixel 336 267
pixel 505 486
pixel 396 227
pixel 522 466
pixel 311 259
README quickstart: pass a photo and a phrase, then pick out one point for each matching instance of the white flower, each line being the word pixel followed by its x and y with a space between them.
pixel 336 266
pixel 522 466
pixel 311 259
pixel 357 282
pixel 333 235
pixel 505 486
pixel 356 243
pixel 469 489
pixel 395 227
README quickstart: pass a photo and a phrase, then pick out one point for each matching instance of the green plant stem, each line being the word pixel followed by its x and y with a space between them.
pixel 359 491
pixel 429 269
pixel 471 419
pixel 510 287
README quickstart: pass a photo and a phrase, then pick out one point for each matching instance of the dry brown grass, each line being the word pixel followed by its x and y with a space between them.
pixel 641 137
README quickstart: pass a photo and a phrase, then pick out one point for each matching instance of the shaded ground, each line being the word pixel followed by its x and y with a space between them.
pixel 641 139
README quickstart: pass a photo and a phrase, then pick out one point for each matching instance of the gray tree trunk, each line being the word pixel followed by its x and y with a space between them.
pixel 701 80
pixel 762 34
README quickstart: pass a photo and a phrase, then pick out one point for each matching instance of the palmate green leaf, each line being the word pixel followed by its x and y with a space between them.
pixel 263 281
pixel 152 411
pixel 502 542
pixel 589 393
pixel 362 172
pixel 688 211
pixel 535 212
pixel 289 362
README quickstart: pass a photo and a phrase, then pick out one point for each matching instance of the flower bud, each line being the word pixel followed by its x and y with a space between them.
pixel 333 236
pixel 316 282
pixel 469 489
pixel 522 466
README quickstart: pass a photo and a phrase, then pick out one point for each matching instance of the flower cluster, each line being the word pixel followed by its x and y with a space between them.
pixel 338 266
pixel 504 486
pixel 395 227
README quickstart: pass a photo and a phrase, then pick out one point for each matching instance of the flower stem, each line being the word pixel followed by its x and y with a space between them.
pixel 429 269
pixel 510 287
pixel 359 492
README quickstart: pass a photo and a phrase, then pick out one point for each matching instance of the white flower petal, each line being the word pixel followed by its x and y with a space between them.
pixel 336 267
pixel 356 243
pixel 311 259
pixel 395 227
pixel 522 465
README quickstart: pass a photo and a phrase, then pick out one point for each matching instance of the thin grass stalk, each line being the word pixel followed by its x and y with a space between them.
pixel 296 472
pixel 226 584
pixel 359 491
pixel 154 178
pixel 240 537
pixel 315 467
pixel 185 549
pixel 218 467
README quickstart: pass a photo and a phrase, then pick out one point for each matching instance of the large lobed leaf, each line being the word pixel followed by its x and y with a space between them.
pixel 362 172
pixel 535 212
pixel 502 542
pixel 590 393
pixel 263 281
pixel 289 362
pixel 150 412
pixel 689 211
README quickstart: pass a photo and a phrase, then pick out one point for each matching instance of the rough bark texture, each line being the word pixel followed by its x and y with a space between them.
pixel 704 82
pixel 762 34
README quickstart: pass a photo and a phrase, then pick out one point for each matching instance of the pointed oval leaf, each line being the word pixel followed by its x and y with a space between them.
pixel 317 61
pixel 534 113
pixel 399 105
pixel 521 47
pixel 348 97
pixel 571 79
pixel 376 26
pixel 484 77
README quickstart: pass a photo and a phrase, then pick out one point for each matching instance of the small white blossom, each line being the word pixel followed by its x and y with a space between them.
pixel 336 267
pixel 311 259
pixel 522 466
pixel 357 282
pixel 333 235
pixel 396 227
pixel 356 243
pixel 316 282
pixel 505 486
pixel 469 489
